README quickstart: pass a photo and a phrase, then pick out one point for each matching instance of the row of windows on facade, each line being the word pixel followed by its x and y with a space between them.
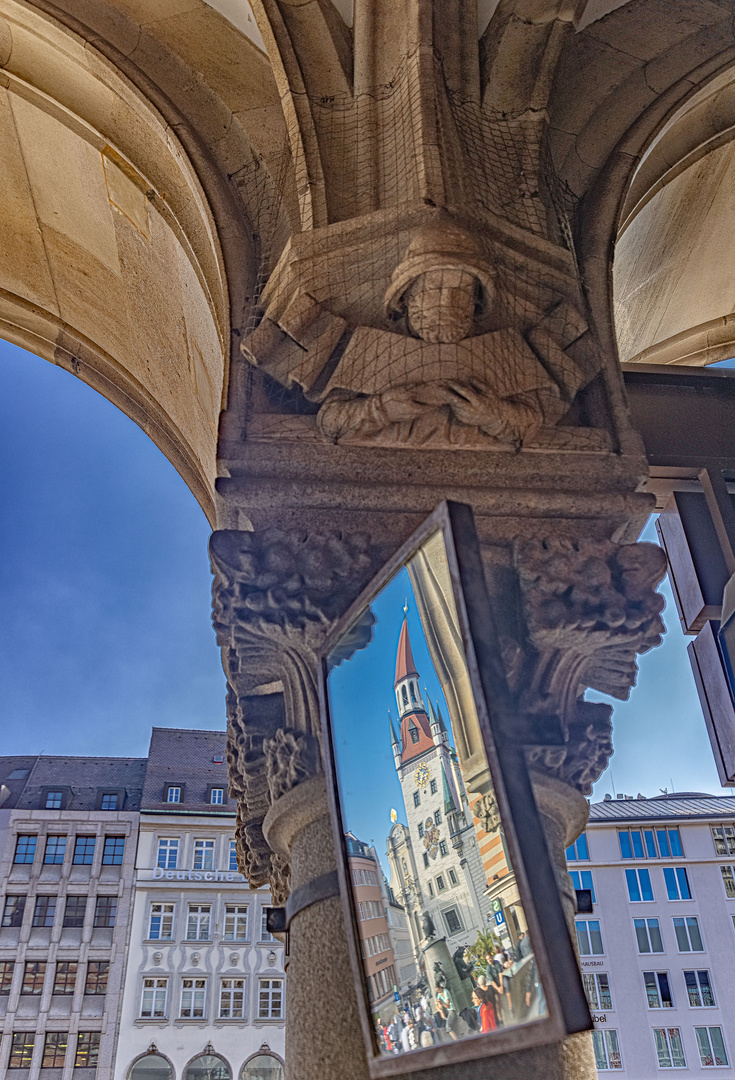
pixel 55 800
pixel 640 888
pixel 375 945
pixel 170 850
pixel 175 794
pixel 113 849
pixel 193 998
pixel 655 843
pixel 417 802
pixel 649 937
pixel 65 976
pixel 657 987
pixel 669 1048
pixel 162 922
pixel 75 909
pixel 381 983
pixel 440 882
pixel 364 877
pixel 84 1046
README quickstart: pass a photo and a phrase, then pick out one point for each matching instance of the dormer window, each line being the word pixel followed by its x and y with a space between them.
pixel 217 796
pixel 173 794
pixel 414 734
pixel 54 800
pixel 109 801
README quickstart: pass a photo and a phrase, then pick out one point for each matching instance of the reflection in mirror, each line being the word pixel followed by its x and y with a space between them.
pixel 446 952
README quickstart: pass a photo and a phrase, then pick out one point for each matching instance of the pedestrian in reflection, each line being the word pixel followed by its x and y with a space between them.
pixel 409 1036
pixel 485 1009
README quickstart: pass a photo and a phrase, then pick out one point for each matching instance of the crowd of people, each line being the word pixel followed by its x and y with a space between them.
pixel 495 1004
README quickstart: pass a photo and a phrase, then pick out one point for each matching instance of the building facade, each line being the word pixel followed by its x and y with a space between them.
pixel 205 982
pixel 658 948
pixel 130 946
pixel 66 875
pixel 374 929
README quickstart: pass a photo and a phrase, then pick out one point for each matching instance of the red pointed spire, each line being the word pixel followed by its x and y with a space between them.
pixel 405 665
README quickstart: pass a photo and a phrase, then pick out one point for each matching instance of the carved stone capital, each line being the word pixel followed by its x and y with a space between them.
pixel 590 606
pixel 276 596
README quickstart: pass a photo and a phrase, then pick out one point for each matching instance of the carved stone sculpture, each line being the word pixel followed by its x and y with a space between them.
pixel 486 809
pixel 460 369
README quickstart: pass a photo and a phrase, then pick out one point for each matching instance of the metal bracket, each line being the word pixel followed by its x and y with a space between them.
pixel 278 919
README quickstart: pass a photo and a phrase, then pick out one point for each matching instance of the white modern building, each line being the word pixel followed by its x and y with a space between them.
pixel 204 994
pixel 658 949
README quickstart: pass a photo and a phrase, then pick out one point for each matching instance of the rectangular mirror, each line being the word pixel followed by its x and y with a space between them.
pixel 446 942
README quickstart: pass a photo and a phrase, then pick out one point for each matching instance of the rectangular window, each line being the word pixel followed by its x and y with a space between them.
pixel 440 883
pixel 34 973
pixel 431 889
pixel 13 910
pixel 437 817
pixel 217 796
pixel 270 999
pixel 453 921
pixel 669 1048
pixel 204 854
pixel 55 850
pixel 109 800
pixel 173 794
pixel 153 1000
pixel 597 989
pixel 677 883
pixel 421 829
pixel 21 1049
pixel 54 1050
pixel 97 975
pixel 699 989
pixel 193 998
pixel 639 885
pixel 233 856
pixel 25 849
pixel 265 934
pixel 416 799
pixel 724 838
pixel 432 787
pixel 650 843
pixel 74 911
pixel 161 925
pixel 232 999
pixel 44 911
pixel 168 853
pixel 65 977
pixel 589 937
pixel 54 800
pixel 658 990
pixel 88 1050
pixel 631 843
pixel 236 922
pixel 83 850
pixel 7 967
pixel 582 879
pixel 197 923
pixel 728 881
pixel 578 851
pixel 648 935
pixel 443 848
pixel 426 861
pixel 105 911
pixel 688 936
pixel 452 877
pixel 711 1046
pixel 113 851
pixel 607 1049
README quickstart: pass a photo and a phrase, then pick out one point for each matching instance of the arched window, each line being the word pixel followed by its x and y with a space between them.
pixel 405 695
pixel 151 1067
pixel 262 1067
pixel 413 692
pixel 208 1067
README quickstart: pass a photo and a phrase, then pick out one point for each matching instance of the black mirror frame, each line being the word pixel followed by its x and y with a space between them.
pixel 568 1011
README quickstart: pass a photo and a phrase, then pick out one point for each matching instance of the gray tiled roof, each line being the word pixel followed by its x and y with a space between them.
pixel 21 765
pixel 84 776
pixel 185 757
pixel 661 807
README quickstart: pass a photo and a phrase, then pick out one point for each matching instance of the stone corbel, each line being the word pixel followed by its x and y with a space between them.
pixel 590 606
pixel 276 596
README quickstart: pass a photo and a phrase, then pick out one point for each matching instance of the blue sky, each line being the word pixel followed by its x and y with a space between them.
pixel 105 598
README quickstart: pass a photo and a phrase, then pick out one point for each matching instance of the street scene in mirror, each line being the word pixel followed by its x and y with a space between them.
pixel 446 952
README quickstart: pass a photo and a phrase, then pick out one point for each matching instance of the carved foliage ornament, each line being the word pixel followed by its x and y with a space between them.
pixel 276 595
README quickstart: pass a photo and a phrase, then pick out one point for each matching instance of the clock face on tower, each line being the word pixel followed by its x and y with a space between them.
pixel 422 774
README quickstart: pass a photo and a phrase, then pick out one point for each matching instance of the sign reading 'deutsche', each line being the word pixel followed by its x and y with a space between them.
pixel 159 874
